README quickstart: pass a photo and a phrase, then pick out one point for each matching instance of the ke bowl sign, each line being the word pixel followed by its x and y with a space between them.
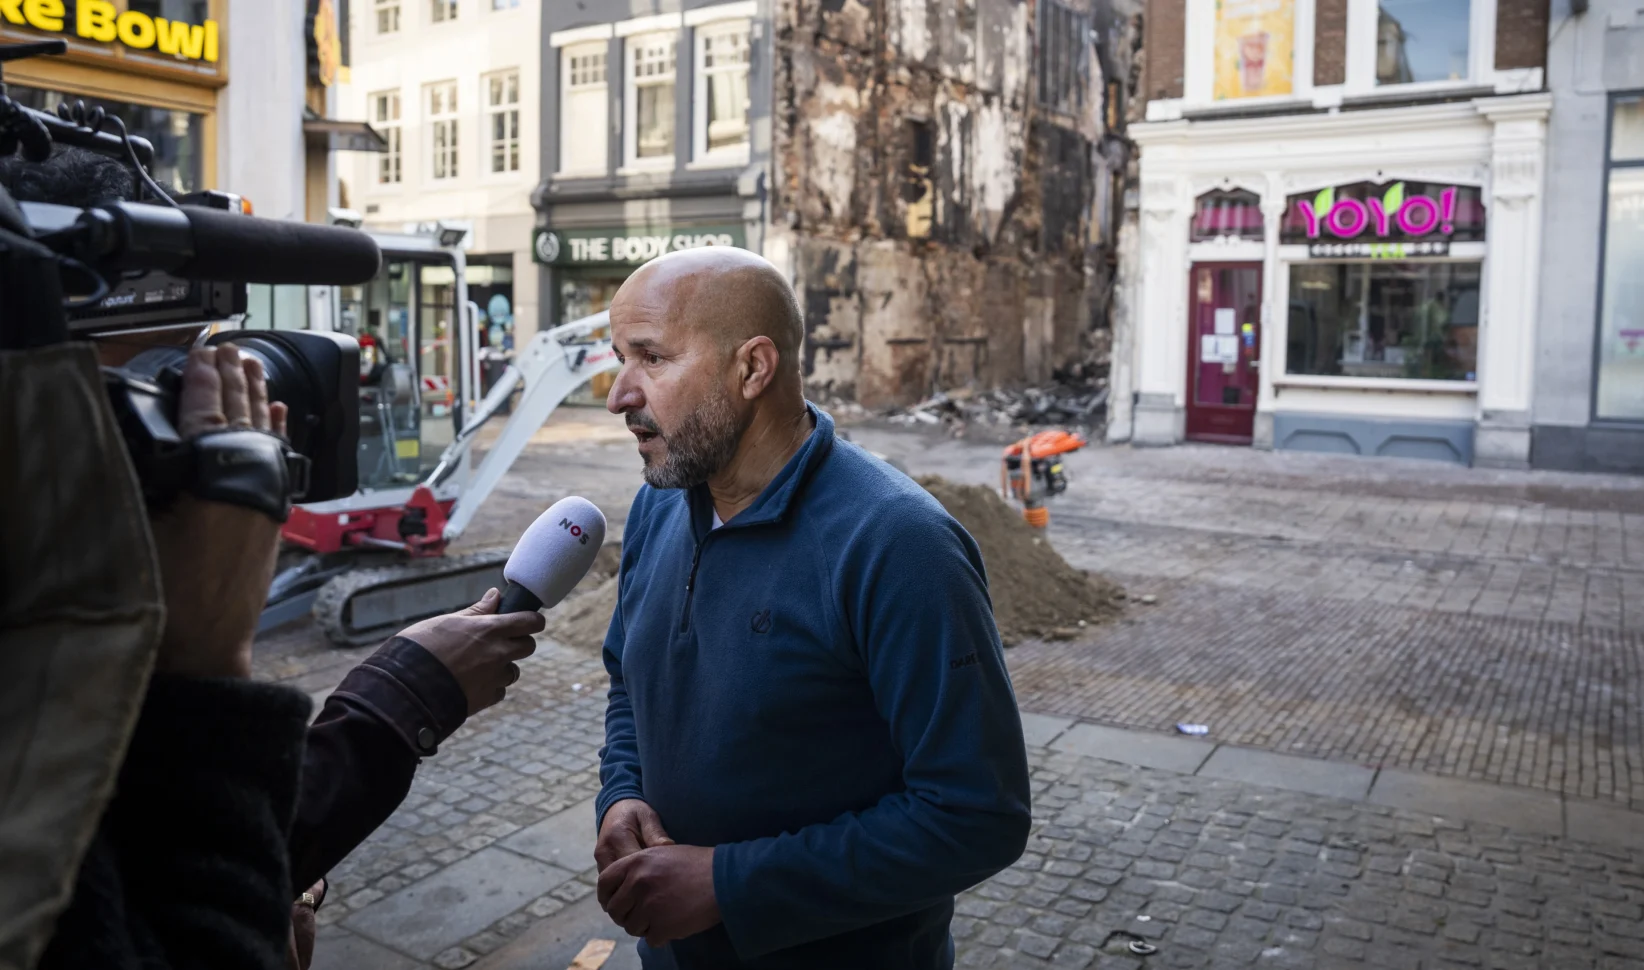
pixel 627 246
pixel 1384 220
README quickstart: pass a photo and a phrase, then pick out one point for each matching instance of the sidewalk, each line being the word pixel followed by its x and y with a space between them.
pixel 1423 686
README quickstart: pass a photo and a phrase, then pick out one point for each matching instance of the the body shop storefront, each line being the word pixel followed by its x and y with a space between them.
pixel 156 64
pixel 1359 282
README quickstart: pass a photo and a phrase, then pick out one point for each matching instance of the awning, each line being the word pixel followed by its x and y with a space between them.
pixel 343 136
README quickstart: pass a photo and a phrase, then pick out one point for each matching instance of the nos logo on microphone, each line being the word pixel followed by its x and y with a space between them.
pixel 575 530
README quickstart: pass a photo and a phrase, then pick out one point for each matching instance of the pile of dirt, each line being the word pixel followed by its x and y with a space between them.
pixel 582 618
pixel 1035 593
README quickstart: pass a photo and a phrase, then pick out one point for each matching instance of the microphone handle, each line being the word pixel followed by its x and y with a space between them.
pixel 518 599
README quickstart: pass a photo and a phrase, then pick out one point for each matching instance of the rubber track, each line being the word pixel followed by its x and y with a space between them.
pixel 332 603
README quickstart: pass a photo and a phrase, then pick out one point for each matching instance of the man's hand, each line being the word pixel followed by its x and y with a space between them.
pixel 480 647
pixel 216 560
pixel 664 893
pixel 629 826
pixel 300 946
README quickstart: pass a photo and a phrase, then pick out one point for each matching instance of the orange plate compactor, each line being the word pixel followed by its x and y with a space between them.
pixel 1032 472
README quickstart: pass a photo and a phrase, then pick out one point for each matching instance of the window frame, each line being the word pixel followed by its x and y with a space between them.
pixel 1199 58
pixel 1610 166
pixel 1075 71
pixel 1363 18
pixel 566 53
pixel 631 162
pixel 443 11
pixel 452 116
pixel 491 111
pixel 393 133
pixel 701 156
pixel 381 7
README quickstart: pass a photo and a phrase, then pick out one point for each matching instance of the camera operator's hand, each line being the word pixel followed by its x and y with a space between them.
pixel 479 647
pixel 216 560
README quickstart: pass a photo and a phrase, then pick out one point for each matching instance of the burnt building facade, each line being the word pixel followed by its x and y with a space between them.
pixel 943 180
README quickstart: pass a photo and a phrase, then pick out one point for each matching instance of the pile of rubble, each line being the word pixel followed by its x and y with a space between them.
pixel 1067 404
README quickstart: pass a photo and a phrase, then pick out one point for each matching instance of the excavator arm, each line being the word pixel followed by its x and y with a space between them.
pixel 361 606
pixel 554 364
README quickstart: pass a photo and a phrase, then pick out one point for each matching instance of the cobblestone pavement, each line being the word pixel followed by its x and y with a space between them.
pixel 1305 604
pixel 1325 606
pixel 1227 874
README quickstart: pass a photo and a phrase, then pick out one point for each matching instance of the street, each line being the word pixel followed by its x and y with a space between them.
pixel 1422 685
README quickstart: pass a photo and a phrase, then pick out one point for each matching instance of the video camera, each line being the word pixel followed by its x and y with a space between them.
pixel 71 273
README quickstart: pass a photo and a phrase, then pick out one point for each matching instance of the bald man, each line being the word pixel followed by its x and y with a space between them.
pixel 811 741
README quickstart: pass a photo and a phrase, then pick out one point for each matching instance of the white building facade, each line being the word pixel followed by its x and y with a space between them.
pixel 452 86
pixel 1339 229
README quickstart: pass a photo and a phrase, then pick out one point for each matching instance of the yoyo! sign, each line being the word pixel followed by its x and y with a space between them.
pixel 1385 219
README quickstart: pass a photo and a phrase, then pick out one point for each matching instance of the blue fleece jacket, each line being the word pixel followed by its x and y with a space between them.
pixel 817 690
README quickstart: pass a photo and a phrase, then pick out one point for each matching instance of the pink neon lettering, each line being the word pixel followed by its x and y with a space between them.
pixel 1310 217
pixel 1407 215
pixel 1381 216
pixel 1355 210
pixel 1447 201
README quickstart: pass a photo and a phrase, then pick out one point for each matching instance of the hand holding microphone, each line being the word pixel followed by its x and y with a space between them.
pixel 482 644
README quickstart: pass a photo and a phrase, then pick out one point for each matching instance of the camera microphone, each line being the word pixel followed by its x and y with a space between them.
pixel 553 555
pixel 199 243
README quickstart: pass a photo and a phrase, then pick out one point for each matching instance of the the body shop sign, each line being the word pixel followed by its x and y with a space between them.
pixel 585 247
pixel 1385 220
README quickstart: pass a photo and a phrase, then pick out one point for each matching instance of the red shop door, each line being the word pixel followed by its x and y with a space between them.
pixel 1224 340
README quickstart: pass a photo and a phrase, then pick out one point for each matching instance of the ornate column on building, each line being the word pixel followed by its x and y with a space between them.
pixel 1507 343
pixel 1159 414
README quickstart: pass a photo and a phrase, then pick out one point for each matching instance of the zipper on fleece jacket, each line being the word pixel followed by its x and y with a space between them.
pixel 690 587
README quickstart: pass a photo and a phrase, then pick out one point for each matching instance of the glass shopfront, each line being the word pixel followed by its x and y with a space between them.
pixel 176 135
pixel 1620 390
pixel 1414 320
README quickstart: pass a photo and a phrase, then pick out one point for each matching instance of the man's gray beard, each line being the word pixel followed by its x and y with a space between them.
pixel 705 442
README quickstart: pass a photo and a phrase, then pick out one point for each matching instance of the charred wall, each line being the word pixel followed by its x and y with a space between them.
pixel 947 174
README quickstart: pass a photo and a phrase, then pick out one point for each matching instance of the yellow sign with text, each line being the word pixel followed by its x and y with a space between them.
pixel 1255 46
pixel 101 21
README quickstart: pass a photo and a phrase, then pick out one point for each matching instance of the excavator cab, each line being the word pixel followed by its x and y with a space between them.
pixel 415 361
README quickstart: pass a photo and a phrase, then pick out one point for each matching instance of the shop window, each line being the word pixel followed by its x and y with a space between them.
pixel 388 16
pixel 1064 48
pixel 276 307
pixel 722 91
pixel 1402 320
pixel 176 135
pixel 385 117
pixel 1620 384
pixel 1255 49
pixel 441 11
pixel 177 11
pixel 502 111
pixel 649 132
pixel 1422 40
pixel 442 124
pixel 1227 214
pixel 584 108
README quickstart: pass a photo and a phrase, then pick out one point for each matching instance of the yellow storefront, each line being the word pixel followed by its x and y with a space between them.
pixel 157 64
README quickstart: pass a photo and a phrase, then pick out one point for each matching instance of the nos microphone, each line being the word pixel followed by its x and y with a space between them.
pixel 553 555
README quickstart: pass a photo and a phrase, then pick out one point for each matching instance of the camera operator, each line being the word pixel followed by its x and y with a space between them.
pixel 188 864
pixel 389 712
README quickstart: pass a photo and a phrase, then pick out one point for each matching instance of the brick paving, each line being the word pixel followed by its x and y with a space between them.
pixel 1226 874
pixel 1324 606
pixel 1473 624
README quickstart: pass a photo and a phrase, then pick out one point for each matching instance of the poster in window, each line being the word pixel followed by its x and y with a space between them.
pixel 1254 47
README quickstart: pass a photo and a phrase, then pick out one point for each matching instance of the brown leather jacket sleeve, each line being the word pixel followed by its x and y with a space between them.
pixel 388 714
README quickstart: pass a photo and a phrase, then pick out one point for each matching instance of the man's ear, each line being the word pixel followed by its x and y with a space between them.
pixel 757 361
